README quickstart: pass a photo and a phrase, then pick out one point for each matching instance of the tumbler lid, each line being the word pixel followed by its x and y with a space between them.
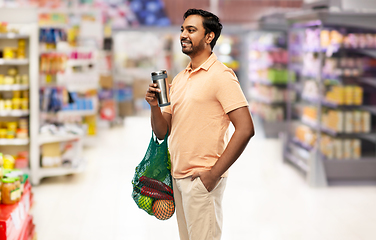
pixel 161 72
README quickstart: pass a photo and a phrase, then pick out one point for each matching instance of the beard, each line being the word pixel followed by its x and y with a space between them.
pixel 192 50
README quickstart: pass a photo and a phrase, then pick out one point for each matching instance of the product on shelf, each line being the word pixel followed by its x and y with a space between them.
pixel 15 53
pixel 339 121
pixel 337 148
pixel 59 154
pixel 53 18
pixel 270 94
pixel 345 95
pixel 9 191
pixel 347 121
pixel 269 76
pixel 12 182
pixel 13 77
pixel 267 112
pixel 305 135
pixel 316 39
pixel 52 63
pixel 9 161
pixel 91 122
pixel 51 155
pixel 3 27
pixel 12 130
pixel 50 37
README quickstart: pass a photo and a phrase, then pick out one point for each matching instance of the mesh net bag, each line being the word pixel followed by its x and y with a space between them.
pixel 152 181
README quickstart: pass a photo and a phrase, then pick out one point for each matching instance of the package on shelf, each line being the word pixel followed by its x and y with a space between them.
pixel 14 100
pixel 311 64
pixel 14 129
pixel 268 58
pixel 18 161
pixel 345 95
pixel 339 148
pixel 53 63
pixel 280 75
pixel 69 154
pixel 106 81
pixel 305 135
pixel 334 120
pixel 53 18
pixel 15 52
pixel 345 66
pixel 58 154
pixel 267 112
pixel 310 112
pixel 331 37
pixel 264 41
pixel 22 160
pixel 3 27
pixel 13 180
pixel 91 122
pixel 310 90
pixel 107 109
pixel 14 77
pixel 80 104
pixel 51 155
pixel 347 121
pixel 272 93
pixel 49 38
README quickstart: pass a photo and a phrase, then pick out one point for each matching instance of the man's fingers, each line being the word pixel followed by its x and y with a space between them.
pixel 195 175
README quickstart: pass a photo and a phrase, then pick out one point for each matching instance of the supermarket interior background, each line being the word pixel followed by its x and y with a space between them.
pixel 74 122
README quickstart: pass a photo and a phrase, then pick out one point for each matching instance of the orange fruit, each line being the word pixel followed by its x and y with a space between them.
pixel 163 209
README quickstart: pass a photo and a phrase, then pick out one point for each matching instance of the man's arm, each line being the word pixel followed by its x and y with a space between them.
pixel 244 130
pixel 160 122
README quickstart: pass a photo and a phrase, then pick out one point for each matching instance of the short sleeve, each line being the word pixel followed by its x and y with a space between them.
pixel 167 109
pixel 229 92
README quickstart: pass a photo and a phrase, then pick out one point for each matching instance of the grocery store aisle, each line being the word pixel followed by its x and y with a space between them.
pixel 264 200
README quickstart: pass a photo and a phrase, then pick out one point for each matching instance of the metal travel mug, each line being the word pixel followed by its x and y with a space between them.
pixel 160 78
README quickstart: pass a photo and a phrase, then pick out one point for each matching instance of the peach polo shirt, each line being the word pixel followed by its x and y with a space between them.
pixel 200 101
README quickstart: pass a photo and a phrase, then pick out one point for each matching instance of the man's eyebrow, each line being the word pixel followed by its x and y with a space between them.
pixel 189 26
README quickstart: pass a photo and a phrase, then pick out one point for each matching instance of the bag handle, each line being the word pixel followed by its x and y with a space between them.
pixel 156 139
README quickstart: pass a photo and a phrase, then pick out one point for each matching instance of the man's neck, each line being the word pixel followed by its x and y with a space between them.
pixel 197 60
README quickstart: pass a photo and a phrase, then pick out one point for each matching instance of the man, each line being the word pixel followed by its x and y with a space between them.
pixel 205 97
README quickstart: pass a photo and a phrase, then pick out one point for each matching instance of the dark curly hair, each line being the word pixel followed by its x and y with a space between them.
pixel 211 23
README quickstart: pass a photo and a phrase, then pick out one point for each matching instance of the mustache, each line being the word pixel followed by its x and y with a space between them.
pixel 185 39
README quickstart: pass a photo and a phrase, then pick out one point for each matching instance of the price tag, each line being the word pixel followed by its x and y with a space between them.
pixel 16 218
pixel 22 211
pixel 27 202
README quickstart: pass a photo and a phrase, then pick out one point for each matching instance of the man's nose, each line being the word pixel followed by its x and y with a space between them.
pixel 183 34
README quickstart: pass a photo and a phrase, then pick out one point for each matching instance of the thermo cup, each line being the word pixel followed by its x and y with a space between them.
pixel 160 78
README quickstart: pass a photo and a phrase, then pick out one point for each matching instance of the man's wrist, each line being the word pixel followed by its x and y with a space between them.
pixel 215 173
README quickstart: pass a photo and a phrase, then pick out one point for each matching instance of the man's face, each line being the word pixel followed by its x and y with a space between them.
pixel 192 37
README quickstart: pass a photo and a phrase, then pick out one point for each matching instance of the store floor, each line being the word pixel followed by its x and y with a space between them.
pixel 264 200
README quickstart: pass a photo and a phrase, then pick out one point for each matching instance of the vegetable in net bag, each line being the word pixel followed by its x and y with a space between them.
pixel 152 181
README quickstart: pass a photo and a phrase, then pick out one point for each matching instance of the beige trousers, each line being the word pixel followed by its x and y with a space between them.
pixel 198 212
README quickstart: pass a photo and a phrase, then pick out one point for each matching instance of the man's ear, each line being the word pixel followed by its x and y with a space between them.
pixel 210 37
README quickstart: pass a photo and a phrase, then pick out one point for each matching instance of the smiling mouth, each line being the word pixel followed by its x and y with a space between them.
pixel 185 43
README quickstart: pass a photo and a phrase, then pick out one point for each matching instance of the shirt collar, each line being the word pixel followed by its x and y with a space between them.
pixel 206 65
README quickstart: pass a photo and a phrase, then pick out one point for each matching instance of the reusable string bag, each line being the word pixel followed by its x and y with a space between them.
pixel 152 181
